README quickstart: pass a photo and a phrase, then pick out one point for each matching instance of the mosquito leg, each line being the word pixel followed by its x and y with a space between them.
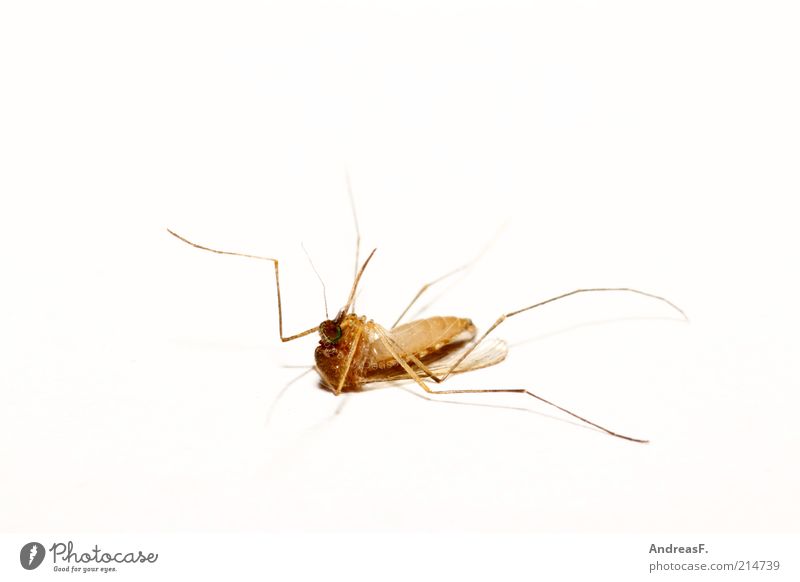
pixel 352 297
pixel 505 316
pixel 414 376
pixel 355 218
pixel 277 284
pixel 463 267
pixel 425 287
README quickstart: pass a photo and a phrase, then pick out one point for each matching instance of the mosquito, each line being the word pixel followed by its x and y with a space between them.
pixel 354 350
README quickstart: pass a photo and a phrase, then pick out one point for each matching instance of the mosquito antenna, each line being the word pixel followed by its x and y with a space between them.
pixel 352 297
pixel 324 294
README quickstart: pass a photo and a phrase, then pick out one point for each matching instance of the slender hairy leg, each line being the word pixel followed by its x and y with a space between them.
pixel 352 297
pixel 505 316
pixel 414 376
pixel 426 286
pixel 355 219
pixel 277 284
pixel 463 267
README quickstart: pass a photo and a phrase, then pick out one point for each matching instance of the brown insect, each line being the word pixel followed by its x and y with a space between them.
pixel 354 350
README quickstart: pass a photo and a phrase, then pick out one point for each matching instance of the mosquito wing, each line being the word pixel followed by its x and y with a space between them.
pixel 488 353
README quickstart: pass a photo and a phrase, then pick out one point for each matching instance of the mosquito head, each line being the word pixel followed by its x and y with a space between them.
pixel 330 331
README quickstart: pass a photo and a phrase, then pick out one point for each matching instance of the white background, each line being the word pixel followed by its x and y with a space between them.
pixel 634 144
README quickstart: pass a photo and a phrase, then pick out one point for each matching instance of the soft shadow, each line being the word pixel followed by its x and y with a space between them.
pixel 320 386
pixel 271 409
pixel 344 398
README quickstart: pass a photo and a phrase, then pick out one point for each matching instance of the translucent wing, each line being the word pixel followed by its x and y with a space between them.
pixel 488 353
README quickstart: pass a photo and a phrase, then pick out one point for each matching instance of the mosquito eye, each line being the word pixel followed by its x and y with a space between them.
pixel 330 332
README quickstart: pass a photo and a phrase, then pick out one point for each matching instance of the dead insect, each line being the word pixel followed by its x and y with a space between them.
pixel 354 350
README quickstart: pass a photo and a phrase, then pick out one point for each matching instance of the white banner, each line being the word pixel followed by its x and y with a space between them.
pixel 402 557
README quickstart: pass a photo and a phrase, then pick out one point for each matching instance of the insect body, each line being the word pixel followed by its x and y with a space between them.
pixel 354 350
pixel 368 352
